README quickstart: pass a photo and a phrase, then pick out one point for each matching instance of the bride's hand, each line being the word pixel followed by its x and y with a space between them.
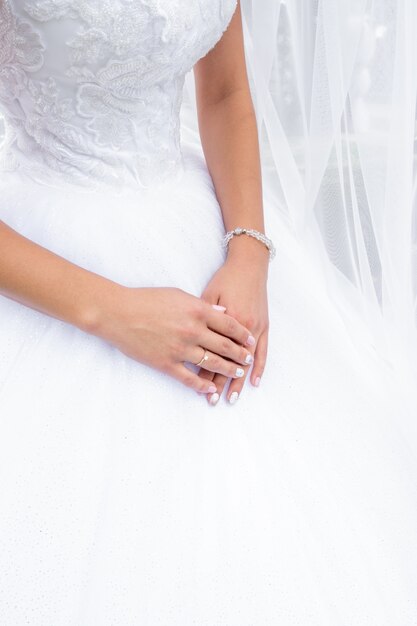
pixel 240 285
pixel 166 327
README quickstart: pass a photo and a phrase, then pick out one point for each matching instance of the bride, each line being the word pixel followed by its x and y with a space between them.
pixel 179 445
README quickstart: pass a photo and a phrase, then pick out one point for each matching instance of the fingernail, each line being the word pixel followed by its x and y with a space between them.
pixel 257 381
pixel 212 389
pixel 249 359
pixel 214 398
pixel 239 372
pixel 251 340
pixel 233 397
pixel 218 307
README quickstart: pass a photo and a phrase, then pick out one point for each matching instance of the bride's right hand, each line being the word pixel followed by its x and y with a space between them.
pixel 164 327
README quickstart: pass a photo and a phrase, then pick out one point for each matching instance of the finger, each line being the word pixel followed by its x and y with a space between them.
pixel 192 380
pixel 206 374
pixel 236 385
pixel 260 359
pixel 212 398
pixel 220 382
pixel 219 344
pixel 229 327
pixel 215 363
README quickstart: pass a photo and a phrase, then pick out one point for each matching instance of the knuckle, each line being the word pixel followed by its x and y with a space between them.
pixel 230 325
pixel 188 332
pixel 250 322
pixel 215 361
pixel 198 308
pixel 226 346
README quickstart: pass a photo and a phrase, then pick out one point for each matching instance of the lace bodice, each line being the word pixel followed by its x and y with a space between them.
pixel 92 88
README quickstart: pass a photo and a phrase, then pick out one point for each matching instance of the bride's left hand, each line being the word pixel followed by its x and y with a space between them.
pixel 240 285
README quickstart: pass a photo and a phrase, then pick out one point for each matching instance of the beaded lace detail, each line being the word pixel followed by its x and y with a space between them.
pixel 92 88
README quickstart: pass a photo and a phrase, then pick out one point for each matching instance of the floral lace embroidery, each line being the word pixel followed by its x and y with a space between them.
pixel 21 51
pixel 127 61
pixel 109 26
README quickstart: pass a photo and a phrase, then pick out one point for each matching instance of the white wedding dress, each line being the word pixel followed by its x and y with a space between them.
pixel 125 499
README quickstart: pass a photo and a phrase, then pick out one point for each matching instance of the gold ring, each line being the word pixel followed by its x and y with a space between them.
pixel 205 358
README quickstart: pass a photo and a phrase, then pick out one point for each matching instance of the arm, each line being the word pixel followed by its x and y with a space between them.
pixel 44 281
pixel 229 139
pixel 160 327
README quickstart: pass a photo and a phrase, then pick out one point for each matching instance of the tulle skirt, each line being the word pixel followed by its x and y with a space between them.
pixel 127 500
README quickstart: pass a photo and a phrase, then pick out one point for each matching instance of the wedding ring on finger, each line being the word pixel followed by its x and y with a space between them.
pixel 203 360
pixel 239 370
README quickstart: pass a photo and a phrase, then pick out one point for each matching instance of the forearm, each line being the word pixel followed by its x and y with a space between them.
pixel 42 280
pixel 230 142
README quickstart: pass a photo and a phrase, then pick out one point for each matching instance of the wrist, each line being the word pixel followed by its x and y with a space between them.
pixel 248 251
pixel 97 310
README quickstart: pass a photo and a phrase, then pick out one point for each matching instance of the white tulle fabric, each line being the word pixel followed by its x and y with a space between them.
pixel 126 499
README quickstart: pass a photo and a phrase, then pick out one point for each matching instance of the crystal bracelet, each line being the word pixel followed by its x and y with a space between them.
pixel 253 233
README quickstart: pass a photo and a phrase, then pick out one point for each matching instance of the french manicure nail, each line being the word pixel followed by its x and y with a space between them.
pixel 233 397
pixel 257 381
pixel 214 399
pixel 249 359
pixel 218 307
pixel 212 389
pixel 239 372
pixel 251 340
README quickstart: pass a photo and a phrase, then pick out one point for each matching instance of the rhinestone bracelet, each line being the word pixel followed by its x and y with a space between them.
pixel 253 233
